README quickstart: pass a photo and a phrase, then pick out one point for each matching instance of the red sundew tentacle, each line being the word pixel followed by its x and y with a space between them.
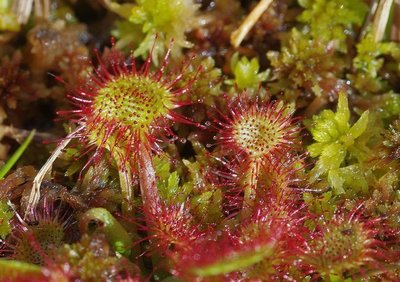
pixel 115 66
pixel 120 138
pixel 69 112
pixel 179 104
pixel 101 72
pixel 97 80
pixel 133 69
pixel 81 100
pixel 146 66
pixel 92 159
pixel 158 74
pixel 182 119
pixel 169 84
pixel 128 148
pixel 185 88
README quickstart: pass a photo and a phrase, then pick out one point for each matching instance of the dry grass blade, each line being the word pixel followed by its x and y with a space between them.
pixel 34 197
pixel 381 19
pixel 23 9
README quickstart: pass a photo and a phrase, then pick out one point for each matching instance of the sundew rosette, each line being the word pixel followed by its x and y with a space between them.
pixel 125 111
pixel 256 133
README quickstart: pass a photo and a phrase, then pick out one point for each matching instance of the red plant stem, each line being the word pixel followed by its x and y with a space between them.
pixel 147 179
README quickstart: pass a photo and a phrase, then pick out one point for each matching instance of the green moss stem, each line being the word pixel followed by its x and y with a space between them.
pixel 116 234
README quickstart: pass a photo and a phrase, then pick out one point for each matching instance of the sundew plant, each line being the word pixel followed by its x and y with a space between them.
pixel 183 140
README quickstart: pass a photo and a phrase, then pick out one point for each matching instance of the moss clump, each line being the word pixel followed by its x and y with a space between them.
pixel 337 140
pixel 91 260
pixel 6 214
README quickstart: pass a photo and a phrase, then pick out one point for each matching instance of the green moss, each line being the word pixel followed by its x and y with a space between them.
pixel 116 235
pixel 205 79
pixel 304 63
pixel 127 34
pixel 207 206
pixel 369 54
pixel 247 73
pixel 336 141
pixel 321 204
pixel 392 136
pixel 168 19
pixel 6 214
pixel 168 181
pixel 8 20
pixel 369 61
pixel 332 20
pixel 390 107
pixel 91 260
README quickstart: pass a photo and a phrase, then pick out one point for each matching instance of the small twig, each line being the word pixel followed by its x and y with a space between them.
pixel 238 35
